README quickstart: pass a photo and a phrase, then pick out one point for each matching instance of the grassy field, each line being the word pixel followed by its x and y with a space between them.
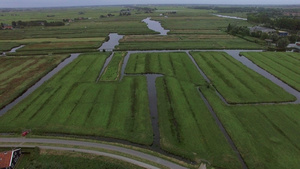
pixel 17 74
pixel 40 158
pixel 236 82
pixel 267 136
pixel 284 66
pixel 186 126
pixel 112 71
pixel 72 102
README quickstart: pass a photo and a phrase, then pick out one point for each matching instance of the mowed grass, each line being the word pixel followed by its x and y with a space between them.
pixel 73 103
pixel 57 48
pixel 19 73
pixel 112 71
pixel 285 66
pixel 169 64
pixel 41 158
pixel 236 82
pixel 186 126
pixel 267 136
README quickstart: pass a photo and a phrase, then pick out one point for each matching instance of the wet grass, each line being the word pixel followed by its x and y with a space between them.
pixel 261 132
pixel 112 72
pixel 186 126
pixel 236 82
pixel 17 74
pixel 72 102
pixel 284 66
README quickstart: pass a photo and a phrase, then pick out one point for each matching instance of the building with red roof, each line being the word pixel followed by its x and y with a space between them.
pixel 9 159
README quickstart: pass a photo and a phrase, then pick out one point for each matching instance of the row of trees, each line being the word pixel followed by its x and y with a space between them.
pixel 283 22
pixel 242 31
pixel 21 24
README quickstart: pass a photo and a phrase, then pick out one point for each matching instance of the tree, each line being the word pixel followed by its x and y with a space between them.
pixel 282 43
pixel 14 24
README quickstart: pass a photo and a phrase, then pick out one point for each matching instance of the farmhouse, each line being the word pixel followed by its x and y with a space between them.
pixel 8 159
pixel 262 29
pixel 283 33
pixel 7 27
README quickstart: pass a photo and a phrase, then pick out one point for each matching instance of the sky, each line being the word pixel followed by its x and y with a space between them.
pixel 58 3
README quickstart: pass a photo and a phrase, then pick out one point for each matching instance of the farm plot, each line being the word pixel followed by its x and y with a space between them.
pixel 186 126
pixel 267 136
pixel 236 82
pixel 170 64
pixel 58 47
pixel 112 71
pixel 185 41
pixel 72 102
pixel 7 46
pixel 285 66
pixel 19 73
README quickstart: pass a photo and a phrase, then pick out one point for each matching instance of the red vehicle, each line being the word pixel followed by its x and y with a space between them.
pixel 25 133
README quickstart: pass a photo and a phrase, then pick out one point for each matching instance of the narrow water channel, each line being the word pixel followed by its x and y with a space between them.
pixel 251 65
pixel 13 50
pixel 156 26
pixel 39 83
pixel 230 17
pixel 107 61
pixel 152 96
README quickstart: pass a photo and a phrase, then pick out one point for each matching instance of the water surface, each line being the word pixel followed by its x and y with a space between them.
pixel 156 26
pixel 111 43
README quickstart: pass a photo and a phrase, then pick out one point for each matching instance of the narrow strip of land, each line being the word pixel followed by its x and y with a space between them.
pixel 95 145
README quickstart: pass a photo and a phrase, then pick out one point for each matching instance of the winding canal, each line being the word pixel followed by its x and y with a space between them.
pixel 155 26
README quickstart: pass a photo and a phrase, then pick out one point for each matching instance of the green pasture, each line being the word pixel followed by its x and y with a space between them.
pixel 73 103
pixel 41 158
pixel 285 66
pixel 236 82
pixel 186 126
pixel 17 74
pixel 267 136
pixel 112 71
pixel 176 65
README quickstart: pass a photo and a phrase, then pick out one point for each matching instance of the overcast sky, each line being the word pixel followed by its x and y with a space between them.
pixel 56 3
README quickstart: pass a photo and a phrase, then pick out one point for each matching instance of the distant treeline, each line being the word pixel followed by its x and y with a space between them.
pixel 21 24
pixel 281 22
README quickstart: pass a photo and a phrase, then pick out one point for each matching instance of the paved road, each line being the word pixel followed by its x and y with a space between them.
pixel 96 145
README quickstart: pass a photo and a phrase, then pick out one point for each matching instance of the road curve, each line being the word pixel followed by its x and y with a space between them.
pixel 95 145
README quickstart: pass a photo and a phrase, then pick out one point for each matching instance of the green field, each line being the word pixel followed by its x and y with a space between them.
pixel 236 82
pixel 186 126
pixel 17 74
pixel 72 102
pixel 35 158
pixel 266 135
pixel 112 71
pixel 284 66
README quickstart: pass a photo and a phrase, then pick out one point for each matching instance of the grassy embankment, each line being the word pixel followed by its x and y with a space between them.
pixel 40 158
pixel 284 66
pixel 17 74
pixel 186 126
pixel 112 71
pixel 73 103
pixel 236 82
